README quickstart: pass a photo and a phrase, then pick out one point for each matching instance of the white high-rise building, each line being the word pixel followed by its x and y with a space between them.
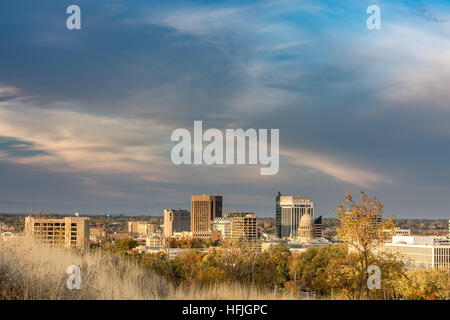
pixel 292 210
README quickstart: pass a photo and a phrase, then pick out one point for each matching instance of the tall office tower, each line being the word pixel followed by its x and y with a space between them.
pixel 449 229
pixel 243 226
pixel 176 221
pixel 70 232
pixel 292 209
pixel 204 209
pixel 278 215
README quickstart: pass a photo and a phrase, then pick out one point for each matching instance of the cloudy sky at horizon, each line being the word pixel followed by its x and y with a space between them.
pixel 86 115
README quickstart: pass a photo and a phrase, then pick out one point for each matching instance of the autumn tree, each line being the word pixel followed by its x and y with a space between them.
pixel 211 271
pixel 125 245
pixel 362 228
pixel 272 268
pixel 160 264
pixel 432 284
pixel 321 270
pixel 393 271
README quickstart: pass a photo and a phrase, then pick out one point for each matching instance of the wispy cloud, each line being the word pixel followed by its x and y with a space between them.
pixel 8 91
pixel 427 14
pixel 75 141
pixel 338 169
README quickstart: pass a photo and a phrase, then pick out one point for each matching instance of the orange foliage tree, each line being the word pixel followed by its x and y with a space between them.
pixel 362 227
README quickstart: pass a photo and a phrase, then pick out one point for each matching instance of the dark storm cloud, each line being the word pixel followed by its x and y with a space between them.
pixel 112 64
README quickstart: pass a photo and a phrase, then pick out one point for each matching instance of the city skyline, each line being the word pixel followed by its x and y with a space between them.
pixel 162 213
pixel 86 115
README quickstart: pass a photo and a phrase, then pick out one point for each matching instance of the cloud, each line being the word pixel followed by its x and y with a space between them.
pixel 200 21
pixel 80 142
pixel 425 13
pixel 420 66
pixel 336 168
pixel 8 91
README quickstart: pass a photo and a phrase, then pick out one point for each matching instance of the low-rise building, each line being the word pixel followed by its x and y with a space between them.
pixel 421 252
pixel 213 235
pixel 118 235
pixel 95 234
pixel 6 228
pixel 70 232
pixel 174 252
pixel 448 236
pixel 402 232
pixel 296 246
pixel 155 241
pixel 9 235
pixel 183 235
pixel 140 228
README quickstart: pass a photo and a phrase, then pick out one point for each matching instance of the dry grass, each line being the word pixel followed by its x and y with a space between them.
pixel 31 271
pixel 227 292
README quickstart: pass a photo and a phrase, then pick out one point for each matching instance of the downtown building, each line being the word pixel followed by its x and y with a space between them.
pixel 421 252
pixel 243 227
pixel 237 226
pixel 141 228
pixel 69 232
pixel 223 225
pixel 96 234
pixel 204 210
pixel 309 235
pixel 278 215
pixel 176 221
pixel 289 210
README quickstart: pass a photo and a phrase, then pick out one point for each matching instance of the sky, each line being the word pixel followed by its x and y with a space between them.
pixel 86 115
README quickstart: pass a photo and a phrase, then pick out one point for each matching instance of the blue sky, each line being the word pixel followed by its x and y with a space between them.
pixel 86 115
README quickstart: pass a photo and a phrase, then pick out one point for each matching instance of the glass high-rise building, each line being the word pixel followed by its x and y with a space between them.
pixel 278 215
pixel 292 210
